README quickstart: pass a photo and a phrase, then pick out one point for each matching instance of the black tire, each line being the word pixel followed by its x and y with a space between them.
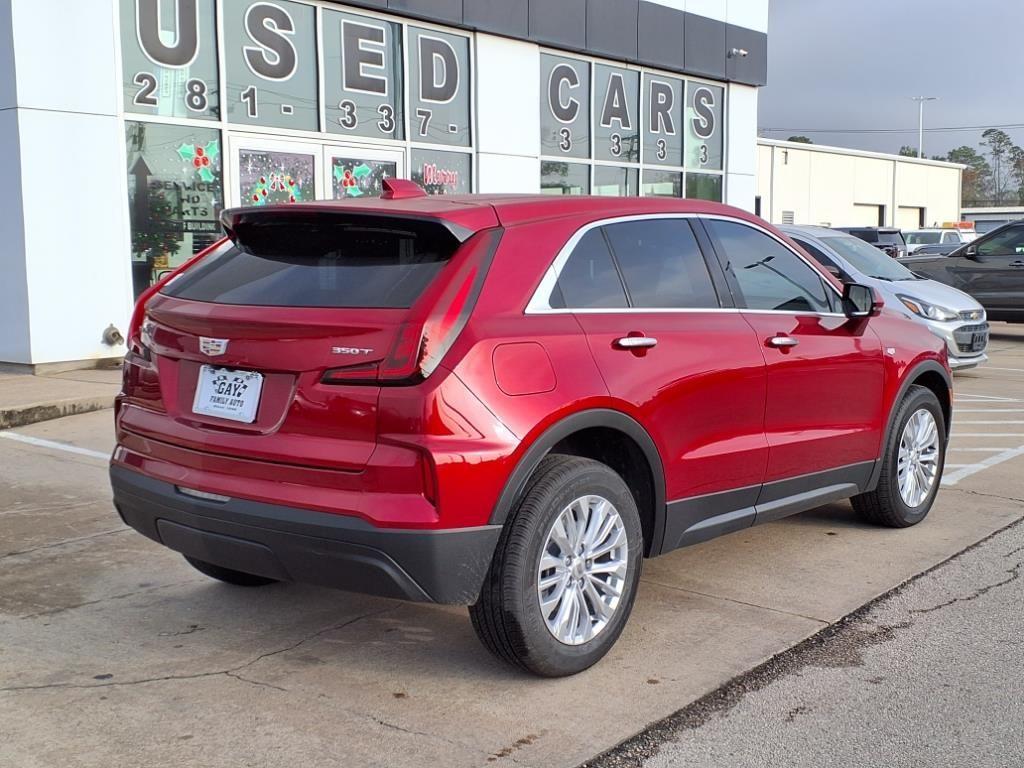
pixel 227 575
pixel 884 505
pixel 507 617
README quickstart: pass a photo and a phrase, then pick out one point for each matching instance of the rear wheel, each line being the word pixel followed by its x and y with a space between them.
pixel 912 465
pixel 564 577
pixel 227 575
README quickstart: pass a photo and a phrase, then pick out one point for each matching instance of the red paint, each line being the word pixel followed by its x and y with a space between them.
pixel 724 409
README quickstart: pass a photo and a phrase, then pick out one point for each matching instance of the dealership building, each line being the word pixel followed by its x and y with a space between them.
pixel 131 124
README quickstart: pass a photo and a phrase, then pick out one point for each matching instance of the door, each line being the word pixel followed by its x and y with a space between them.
pixel 689 370
pixel 995 274
pixel 270 171
pixel 354 172
pixel 825 372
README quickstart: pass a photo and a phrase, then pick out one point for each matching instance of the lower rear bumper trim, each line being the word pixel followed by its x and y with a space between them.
pixel 306 546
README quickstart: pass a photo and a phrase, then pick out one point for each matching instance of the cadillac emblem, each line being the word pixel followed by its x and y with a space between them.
pixel 212 347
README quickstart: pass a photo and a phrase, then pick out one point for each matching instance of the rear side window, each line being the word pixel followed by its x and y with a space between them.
pixel 589 279
pixel 769 275
pixel 325 260
pixel 662 264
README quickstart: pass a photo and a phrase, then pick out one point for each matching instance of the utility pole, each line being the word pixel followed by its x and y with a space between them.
pixel 920 121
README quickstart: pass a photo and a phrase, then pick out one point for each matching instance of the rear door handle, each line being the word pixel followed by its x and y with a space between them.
pixel 783 341
pixel 636 342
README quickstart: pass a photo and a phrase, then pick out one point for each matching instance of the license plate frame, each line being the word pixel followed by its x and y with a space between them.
pixel 978 341
pixel 226 393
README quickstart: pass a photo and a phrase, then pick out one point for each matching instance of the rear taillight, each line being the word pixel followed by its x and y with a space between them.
pixel 435 322
pixel 135 341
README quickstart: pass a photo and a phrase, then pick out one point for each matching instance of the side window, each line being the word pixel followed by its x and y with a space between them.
pixel 769 275
pixel 822 258
pixel 589 279
pixel 662 264
pixel 1009 242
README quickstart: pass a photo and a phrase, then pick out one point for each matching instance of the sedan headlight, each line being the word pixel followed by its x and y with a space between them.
pixel 929 311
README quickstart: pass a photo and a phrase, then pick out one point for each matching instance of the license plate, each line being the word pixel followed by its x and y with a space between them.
pixel 228 394
pixel 978 342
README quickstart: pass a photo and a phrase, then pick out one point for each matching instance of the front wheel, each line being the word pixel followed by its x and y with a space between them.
pixel 565 574
pixel 912 465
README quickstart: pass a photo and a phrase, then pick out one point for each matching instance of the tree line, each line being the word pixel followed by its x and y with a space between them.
pixel 994 176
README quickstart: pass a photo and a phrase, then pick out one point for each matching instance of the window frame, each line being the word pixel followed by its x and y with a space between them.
pixel 539 302
pixel 834 299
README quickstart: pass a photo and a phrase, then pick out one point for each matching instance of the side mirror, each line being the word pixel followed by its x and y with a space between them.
pixel 971 252
pixel 861 301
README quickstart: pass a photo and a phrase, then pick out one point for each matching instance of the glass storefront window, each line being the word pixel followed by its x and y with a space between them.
pixel 442 173
pixel 169 58
pixel 704 126
pixel 270 54
pixel 663 120
pixel 363 89
pixel 704 186
pixel 175 194
pixel 616 121
pixel 558 178
pixel 565 106
pixel 662 184
pixel 615 182
pixel 439 87
pixel 267 177
pixel 354 177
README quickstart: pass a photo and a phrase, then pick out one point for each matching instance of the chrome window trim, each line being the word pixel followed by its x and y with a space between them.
pixel 540 301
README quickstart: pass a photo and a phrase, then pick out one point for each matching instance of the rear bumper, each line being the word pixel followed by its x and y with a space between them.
pixel 290 544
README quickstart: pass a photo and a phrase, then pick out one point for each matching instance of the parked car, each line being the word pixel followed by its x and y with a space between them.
pixel 991 269
pixel 885 238
pixel 509 402
pixel 951 315
pixel 915 238
pixel 943 249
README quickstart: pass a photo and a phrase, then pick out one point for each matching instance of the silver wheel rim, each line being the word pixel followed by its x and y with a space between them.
pixel 582 570
pixel 918 463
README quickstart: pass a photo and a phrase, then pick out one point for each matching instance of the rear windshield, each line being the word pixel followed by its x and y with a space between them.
pixel 923 238
pixel 890 238
pixel 321 261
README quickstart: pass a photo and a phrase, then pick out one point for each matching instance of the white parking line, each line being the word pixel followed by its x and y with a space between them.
pixel 985 434
pixel 974 469
pixel 987 410
pixel 53 445
pixel 999 421
pixel 976 450
pixel 1012 370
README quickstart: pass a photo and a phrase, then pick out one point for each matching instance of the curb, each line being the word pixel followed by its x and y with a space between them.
pixel 33 413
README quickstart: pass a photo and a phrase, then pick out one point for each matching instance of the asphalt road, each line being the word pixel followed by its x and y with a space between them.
pixel 932 675
pixel 114 652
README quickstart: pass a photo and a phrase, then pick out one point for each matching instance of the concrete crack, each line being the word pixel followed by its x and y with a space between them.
pixel 65 542
pixel 1014 574
pixel 55 611
pixel 232 672
pixel 982 493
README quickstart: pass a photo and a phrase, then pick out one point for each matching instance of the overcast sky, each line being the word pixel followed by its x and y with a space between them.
pixel 853 64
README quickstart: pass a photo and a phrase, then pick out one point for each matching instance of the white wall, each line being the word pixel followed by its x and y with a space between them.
pixel 509 134
pixel 832 186
pixel 73 186
pixel 741 143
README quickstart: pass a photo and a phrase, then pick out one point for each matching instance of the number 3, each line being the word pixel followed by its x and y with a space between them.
pixel 349 119
pixel 703 154
pixel 565 142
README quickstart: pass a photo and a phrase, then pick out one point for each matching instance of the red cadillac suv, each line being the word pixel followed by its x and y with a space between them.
pixel 509 402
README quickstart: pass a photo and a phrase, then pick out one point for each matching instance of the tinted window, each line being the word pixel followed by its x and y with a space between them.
pixel 867 259
pixel 662 264
pixel 822 258
pixel 769 275
pixel 1009 242
pixel 321 261
pixel 922 238
pixel 589 279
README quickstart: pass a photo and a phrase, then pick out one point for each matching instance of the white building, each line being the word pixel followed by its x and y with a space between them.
pixel 129 125
pixel 812 184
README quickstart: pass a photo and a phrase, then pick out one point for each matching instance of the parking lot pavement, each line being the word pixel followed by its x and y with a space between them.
pixel 114 652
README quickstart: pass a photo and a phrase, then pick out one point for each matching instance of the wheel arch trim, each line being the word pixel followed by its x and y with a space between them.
pixel 577 422
pixel 909 378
